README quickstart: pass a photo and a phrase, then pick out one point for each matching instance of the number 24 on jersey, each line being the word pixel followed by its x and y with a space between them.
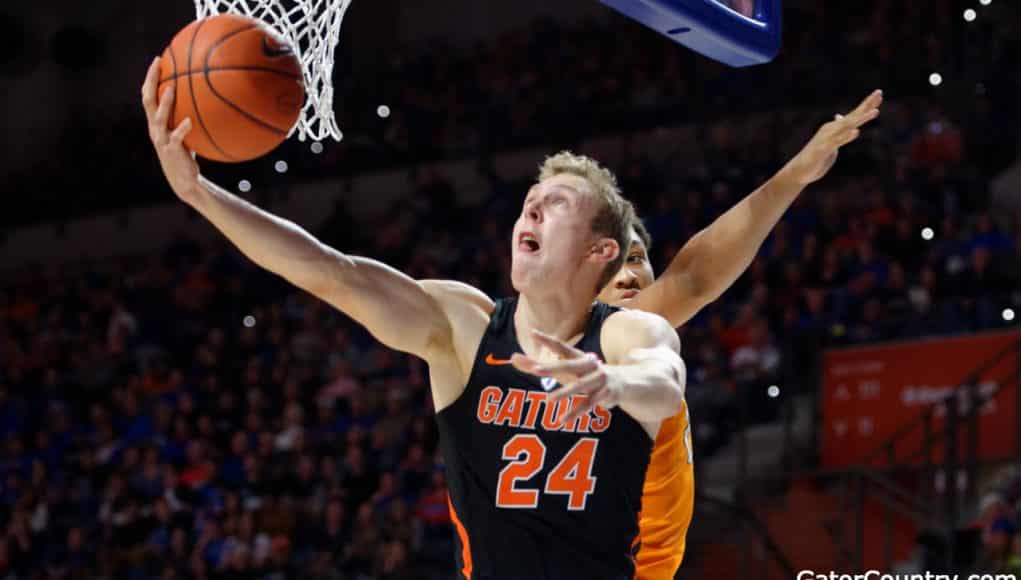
pixel 571 477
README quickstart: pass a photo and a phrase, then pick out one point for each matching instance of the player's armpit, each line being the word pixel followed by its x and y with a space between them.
pixel 467 310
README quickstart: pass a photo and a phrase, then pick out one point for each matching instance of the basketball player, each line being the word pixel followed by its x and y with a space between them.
pixel 543 482
pixel 701 271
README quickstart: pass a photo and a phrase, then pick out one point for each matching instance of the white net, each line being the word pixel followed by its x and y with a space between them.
pixel 313 28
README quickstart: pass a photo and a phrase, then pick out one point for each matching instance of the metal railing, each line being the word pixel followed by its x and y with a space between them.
pixel 902 479
pixel 961 410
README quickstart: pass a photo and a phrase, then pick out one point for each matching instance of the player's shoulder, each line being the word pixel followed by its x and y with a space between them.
pixel 451 292
pixel 468 311
pixel 459 299
pixel 627 328
pixel 627 319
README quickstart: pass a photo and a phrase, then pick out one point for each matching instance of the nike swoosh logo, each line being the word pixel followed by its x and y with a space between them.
pixel 492 360
pixel 275 50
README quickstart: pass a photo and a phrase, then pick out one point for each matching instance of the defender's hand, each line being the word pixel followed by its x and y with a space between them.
pixel 178 164
pixel 578 373
pixel 820 153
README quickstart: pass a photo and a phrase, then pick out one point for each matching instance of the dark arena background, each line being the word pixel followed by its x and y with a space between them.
pixel 169 410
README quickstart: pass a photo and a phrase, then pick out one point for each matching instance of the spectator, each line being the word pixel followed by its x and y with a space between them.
pixel 998 531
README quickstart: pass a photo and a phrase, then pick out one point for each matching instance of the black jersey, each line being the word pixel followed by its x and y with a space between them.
pixel 532 500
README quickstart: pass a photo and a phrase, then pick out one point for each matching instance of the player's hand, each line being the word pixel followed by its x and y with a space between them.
pixel 820 153
pixel 178 164
pixel 578 373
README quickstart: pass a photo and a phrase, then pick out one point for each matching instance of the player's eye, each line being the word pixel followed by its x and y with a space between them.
pixel 636 259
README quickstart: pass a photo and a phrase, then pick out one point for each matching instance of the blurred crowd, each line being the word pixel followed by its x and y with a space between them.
pixel 999 523
pixel 163 418
pixel 558 82
pixel 185 415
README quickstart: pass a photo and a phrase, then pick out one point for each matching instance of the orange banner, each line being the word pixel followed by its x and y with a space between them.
pixel 869 393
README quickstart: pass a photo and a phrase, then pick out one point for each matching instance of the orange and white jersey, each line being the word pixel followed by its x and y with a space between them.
pixel 668 500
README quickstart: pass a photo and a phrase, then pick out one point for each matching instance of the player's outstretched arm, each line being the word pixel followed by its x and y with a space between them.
pixel 399 311
pixel 715 257
pixel 643 372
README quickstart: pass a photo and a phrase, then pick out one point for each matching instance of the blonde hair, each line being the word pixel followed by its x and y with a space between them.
pixel 615 216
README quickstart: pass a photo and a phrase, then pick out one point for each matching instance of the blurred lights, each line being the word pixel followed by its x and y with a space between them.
pixel 244 186
pixel 317 147
pixel 383 111
pixel 985 2
pixel 927 234
pixel 249 321
pixel 773 391
pixel 969 15
pixel 280 166
pixel 1008 314
pixel 935 79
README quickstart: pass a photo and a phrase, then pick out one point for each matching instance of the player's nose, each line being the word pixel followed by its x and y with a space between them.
pixel 533 212
pixel 626 279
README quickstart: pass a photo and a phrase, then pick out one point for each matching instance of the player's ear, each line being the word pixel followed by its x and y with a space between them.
pixel 604 250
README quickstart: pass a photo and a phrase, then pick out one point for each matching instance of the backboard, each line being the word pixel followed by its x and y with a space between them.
pixel 736 32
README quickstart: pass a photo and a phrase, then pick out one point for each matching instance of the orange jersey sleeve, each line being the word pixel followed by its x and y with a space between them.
pixel 667 500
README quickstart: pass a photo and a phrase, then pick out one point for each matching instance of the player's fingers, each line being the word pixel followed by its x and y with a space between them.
pixel 556 345
pixel 870 102
pixel 577 410
pixel 577 367
pixel 182 130
pixel 524 363
pixel 866 110
pixel 528 365
pixel 861 119
pixel 874 100
pixel 163 110
pixel 592 381
pixel 842 134
pixel 848 136
pixel 566 391
pixel 603 398
pixel 827 130
pixel 149 88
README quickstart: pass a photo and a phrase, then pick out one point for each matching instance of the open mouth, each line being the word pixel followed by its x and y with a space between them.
pixel 528 243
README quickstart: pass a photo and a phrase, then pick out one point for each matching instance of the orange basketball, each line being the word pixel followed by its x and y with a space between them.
pixel 238 81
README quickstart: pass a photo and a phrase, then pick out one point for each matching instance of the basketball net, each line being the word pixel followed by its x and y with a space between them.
pixel 313 29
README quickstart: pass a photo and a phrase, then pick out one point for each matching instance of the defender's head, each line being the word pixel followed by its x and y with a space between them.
pixel 635 274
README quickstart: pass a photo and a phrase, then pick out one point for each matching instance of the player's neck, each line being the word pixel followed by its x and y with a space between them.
pixel 563 317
